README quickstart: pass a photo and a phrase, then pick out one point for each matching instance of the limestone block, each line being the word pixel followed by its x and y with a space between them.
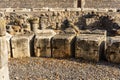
pixel 22 45
pixel 113 49
pixel 42 45
pixel 2 27
pixel 63 45
pixel 89 47
pixel 39 9
pixel 46 31
pixel 73 9
pixel 57 9
pixel 99 32
pixel 3 52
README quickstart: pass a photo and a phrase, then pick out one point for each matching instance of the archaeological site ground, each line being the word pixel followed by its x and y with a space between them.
pixel 59 39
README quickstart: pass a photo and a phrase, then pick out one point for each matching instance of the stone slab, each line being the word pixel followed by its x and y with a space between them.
pixel 22 45
pixel 42 45
pixel 63 46
pixel 113 49
pixel 99 32
pixel 89 47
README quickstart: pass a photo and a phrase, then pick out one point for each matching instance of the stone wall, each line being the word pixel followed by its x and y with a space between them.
pixel 63 22
pixel 38 3
pixel 60 4
pixel 101 3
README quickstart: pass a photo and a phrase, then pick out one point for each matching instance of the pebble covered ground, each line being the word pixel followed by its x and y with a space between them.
pixel 62 69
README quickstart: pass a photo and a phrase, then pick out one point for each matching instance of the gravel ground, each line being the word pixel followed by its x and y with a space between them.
pixel 62 69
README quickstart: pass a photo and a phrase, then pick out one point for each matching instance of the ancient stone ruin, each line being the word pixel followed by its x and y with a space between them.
pixel 84 29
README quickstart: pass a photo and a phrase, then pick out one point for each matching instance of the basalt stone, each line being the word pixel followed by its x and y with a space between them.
pixel 89 47
pixel 63 46
pixel 42 45
pixel 113 49
pixel 22 45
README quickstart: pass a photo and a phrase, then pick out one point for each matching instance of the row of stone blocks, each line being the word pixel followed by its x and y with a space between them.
pixel 89 46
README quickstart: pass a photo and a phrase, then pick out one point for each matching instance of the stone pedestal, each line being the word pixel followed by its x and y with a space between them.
pixel 113 49
pixel 63 45
pixel 42 45
pixel 22 45
pixel 89 47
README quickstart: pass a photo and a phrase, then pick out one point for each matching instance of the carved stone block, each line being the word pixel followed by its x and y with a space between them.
pixel 113 49
pixel 22 45
pixel 63 45
pixel 89 47
pixel 42 45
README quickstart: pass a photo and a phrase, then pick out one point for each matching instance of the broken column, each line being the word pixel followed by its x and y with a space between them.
pixel 89 46
pixel 42 43
pixel 63 46
pixel 2 27
pixel 22 45
pixel 113 49
pixel 35 24
pixel 4 73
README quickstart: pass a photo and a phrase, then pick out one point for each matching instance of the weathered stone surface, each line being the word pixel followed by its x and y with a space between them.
pixel 2 27
pixel 113 49
pixel 99 32
pixel 35 24
pixel 22 45
pixel 42 45
pixel 89 47
pixel 38 3
pixel 3 52
pixel 101 4
pixel 63 46
pixel 4 73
